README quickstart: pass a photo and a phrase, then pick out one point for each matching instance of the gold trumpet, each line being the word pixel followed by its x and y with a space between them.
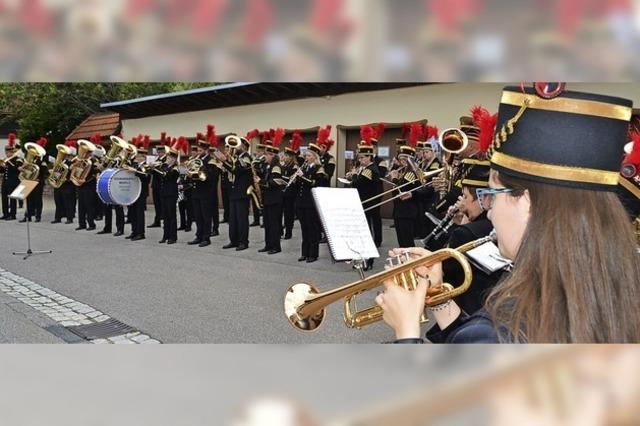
pixel 9 160
pixel 305 307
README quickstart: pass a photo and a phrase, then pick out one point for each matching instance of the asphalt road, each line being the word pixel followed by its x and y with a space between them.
pixel 181 293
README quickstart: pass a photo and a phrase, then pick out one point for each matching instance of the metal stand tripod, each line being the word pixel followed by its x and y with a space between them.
pixel 29 252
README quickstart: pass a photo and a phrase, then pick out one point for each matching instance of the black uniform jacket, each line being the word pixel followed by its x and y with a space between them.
pixel 368 184
pixel 271 190
pixel 313 175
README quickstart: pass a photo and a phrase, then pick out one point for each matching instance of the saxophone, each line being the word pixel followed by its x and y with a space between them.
pixel 254 190
pixel 59 171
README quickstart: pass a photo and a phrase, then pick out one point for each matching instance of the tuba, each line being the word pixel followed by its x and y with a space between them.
pixel 305 307
pixel 81 166
pixel 118 145
pixel 29 170
pixel 60 170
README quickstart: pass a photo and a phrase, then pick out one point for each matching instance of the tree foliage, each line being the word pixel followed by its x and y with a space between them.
pixel 53 110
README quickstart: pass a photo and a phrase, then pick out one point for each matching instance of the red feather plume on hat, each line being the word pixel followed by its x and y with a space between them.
pixel 296 141
pixel 70 143
pixel 11 139
pixel 278 134
pixel 210 130
pixel 43 141
pixel 200 136
pixel 212 139
pixel 146 142
pixel 431 132
pixel 631 163
pixel 266 135
pixel 96 139
pixel 487 124
pixel 163 138
pixel 367 133
pixel 252 134
pixel 379 131
pixel 405 130
pixel 323 134
pixel 415 134
pixel 329 143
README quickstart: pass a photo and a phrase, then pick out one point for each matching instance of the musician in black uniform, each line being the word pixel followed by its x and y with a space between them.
pixel 225 189
pixel 156 182
pixel 185 193
pixel 238 165
pixel 170 174
pixel 427 162
pixel 137 209
pixel 289 168
pixel 10 179
pixel 271 186
pixel 405 207
pixel 204 193
pixel 87 199
pixel 474 225
pixel 108 219
pixel 68 189
pixel 259 166
pixel 34 199
pixel 367 181
pixel 557 218
pixel 327 161
pixel 310 175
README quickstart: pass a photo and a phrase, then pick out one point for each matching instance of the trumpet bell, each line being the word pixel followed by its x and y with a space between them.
pixel 296 296
pixel 453 140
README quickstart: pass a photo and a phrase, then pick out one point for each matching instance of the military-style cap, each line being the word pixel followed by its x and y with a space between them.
pixel 560 137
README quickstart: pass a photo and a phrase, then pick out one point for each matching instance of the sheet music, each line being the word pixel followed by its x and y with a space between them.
pixel 345 224
pixel 487 257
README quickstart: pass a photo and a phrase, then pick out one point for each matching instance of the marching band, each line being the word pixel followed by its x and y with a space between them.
pixel 490 178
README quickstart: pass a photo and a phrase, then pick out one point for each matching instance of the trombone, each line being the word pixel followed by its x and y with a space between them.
pixel 305 307
pixel 422 176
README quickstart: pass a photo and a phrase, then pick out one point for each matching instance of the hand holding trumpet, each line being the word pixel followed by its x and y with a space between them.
pixel 401 308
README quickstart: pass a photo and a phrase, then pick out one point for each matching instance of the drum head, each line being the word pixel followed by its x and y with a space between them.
pixel 119 187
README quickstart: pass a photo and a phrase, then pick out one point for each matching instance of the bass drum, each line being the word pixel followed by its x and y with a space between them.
pixel 119 187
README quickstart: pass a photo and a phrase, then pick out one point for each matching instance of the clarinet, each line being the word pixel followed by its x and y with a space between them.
pixel 293 178
pixel 442 227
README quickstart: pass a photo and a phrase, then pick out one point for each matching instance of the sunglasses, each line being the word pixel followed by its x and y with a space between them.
pixel 486 195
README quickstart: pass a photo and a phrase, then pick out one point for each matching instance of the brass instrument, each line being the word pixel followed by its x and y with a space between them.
pixel 59 171
pixel 194 169
pixel 254 190
pixel 118 146
pixel 305 307
pixel 421 177
pixel 233 142
pixel 81 166
pixel 29 170
pixel 9 160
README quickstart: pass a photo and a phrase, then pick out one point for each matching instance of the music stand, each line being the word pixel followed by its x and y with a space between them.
pixel 21 192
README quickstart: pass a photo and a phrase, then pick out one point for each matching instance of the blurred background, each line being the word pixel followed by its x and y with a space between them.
pixel 251 385
pixel 319 40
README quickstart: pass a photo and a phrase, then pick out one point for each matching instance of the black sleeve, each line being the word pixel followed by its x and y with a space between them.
pixel 477 328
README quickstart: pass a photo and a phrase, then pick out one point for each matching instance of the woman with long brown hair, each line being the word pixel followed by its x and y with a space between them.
pixel 576 276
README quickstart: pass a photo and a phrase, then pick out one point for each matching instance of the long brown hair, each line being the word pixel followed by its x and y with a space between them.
pixel 576 277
